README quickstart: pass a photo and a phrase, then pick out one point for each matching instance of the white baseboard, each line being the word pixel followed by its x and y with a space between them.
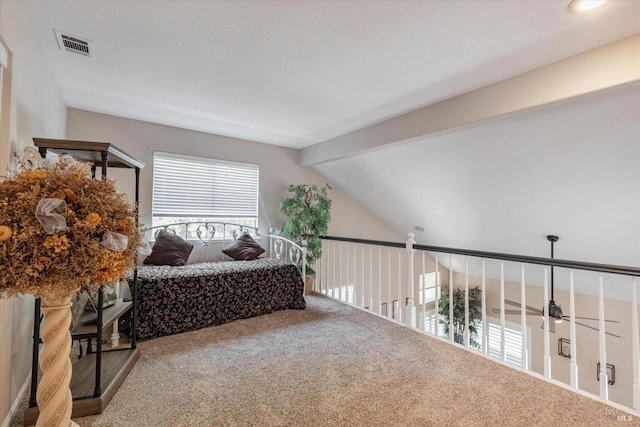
pixel 17 401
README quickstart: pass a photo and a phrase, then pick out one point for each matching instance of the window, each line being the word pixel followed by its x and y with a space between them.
pixel 343 293
pixel 189 189
pixel 431 322
pixel 512 341
pixel 428 287
pixel 512 337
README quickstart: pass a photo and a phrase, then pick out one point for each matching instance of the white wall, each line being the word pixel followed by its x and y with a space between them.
pixel 278 168
pixel 37 110
pixel 569 169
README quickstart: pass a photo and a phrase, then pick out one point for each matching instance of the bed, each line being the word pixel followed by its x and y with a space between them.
pixel 179 298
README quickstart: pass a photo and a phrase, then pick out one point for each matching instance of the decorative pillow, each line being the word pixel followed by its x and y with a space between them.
pixel 243 249
pixel 169 249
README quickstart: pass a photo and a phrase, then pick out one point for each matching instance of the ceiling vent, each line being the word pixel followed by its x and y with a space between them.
pixel 74 44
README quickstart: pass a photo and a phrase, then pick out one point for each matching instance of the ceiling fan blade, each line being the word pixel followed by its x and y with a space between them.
pixel 517 304
pixel 507 311
pixel 591 318
pixel 596 329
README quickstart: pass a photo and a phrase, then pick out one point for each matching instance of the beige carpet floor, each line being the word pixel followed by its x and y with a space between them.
pixel 333 365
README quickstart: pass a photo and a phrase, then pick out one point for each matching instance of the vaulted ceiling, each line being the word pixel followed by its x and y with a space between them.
pixel 299 73
pixel 295 73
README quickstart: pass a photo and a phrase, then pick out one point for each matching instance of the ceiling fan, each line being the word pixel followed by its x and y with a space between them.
pixel 555 311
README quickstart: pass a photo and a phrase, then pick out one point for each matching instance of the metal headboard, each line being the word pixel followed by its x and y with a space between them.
pixel 206 232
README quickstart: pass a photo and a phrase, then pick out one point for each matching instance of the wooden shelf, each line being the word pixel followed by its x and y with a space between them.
pixel 116 366
pixel 89 151
pixel 111 367
pixel 109 315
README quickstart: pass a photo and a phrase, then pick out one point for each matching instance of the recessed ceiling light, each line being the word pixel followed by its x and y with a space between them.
pixel 579 6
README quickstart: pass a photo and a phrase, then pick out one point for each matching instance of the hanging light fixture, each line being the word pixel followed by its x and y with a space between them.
pixel 554 310
pixel 580 6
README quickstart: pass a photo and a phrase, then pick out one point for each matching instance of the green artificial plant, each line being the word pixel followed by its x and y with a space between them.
pixel 475 314
pixel 309 210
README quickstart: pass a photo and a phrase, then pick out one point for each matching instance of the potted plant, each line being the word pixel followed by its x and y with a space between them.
pixel 475 314
pixel 309 210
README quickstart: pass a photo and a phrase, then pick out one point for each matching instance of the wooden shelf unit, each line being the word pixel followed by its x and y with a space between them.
pixel 85 329
pixel 95 376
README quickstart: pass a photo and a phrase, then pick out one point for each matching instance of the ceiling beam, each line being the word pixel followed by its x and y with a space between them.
pixel 601 68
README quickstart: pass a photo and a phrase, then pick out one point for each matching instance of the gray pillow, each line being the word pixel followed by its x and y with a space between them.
pixel 244 248
pixel 169 249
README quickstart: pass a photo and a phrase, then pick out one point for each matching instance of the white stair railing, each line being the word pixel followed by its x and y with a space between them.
pixel 369 275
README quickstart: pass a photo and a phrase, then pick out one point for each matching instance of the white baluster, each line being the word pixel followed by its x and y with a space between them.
pixel 379 280
pixel 573 367
pixel 271 237
pixel 636 345
pixel 340 282
pixel 323 263
pixel 604 386
pixel 389 301
pixel 467 338
pixel 485 326
pixel 399 288
pixel 356 290
pixel 422 291
pixel 547 355
pixel 437 308
pixel 371 278
pixel 503 348
pixel 333 285
pixel 348 279
pixel 363 279
pixel 523 319
pixel 411 308
pixel 304 260
pixel 451 334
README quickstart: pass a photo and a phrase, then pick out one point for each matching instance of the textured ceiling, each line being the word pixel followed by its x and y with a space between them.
pixel 297 73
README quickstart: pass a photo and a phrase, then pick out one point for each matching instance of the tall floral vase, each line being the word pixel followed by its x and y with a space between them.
pixel 54 396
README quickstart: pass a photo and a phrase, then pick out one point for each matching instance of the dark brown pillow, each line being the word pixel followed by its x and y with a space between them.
pixel 243 249
pixel 169 249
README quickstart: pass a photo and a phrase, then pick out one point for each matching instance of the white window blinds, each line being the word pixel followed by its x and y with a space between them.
pixel 187 186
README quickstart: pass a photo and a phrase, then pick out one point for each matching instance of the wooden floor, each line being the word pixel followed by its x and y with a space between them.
pixel 116 365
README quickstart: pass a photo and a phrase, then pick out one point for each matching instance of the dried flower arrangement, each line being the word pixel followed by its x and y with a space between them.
pixel 41 256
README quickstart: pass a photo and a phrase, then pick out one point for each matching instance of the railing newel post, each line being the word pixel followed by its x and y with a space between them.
pixel 410 306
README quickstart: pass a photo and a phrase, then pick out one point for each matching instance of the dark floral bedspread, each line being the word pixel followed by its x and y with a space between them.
pixel 172 300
